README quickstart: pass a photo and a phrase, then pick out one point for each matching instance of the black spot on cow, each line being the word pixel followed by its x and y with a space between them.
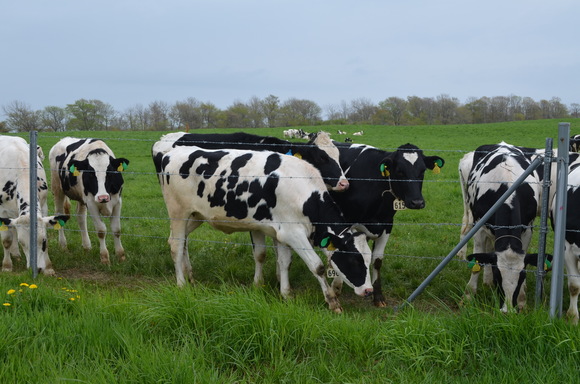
pixel 272 163
pixel 263 212
pixel 235 207
pixel 218 198
pixel 265 193
pixel 200 188
pixel 242 187
pixel 236 165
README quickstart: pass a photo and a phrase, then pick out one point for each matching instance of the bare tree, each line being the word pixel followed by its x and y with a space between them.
pixel 255 108
pixel 21 117
pixel 530 109
pixel 447 108
pixel 575 110
pixel 396 109
pixel 159 113
pixel 339 112
pixel 300 112
pixel 54 118
pixel 362 110
pixel 271 110
pixel 187 114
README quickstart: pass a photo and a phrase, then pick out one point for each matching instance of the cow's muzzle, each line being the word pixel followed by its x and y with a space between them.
pixel 103 198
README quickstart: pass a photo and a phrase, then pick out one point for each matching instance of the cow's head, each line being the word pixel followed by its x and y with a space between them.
pixel 22 226
pixel 509 273
pixel 325 158
pixel 101 174
pixel 350 258
pixel 405 170
pixel 575 143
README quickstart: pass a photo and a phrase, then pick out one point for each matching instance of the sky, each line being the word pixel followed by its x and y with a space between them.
pixel 135 52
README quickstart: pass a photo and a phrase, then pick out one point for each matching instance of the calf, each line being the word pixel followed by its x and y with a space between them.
pixel 86 170
pixel 503 241
pixel 235 190
pixel 15 204
pixel 381 183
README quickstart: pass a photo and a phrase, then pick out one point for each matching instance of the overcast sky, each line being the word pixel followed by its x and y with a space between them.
pixel 129 52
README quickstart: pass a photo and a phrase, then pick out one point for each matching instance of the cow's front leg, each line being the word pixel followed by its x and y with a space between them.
pixel 571 259
pixel 7 242
pixel 82 220
pixel 116 229
pixel 379 246
pixel 283 262
pixel 101 229
pixel 471 288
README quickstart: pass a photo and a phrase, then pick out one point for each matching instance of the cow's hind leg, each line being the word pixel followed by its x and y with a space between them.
pixel 283 262
pixel 8 239
pixel 259 249
pixel 571 258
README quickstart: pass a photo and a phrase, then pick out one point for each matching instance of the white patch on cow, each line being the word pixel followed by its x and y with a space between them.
pixel 411 157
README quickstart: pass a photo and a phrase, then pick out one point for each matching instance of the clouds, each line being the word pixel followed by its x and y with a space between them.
pixel 127 52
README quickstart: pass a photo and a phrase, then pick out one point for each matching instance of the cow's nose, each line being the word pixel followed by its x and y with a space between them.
pixel 368 292
pixel 416 204
pixel 343 185
pixel 103 198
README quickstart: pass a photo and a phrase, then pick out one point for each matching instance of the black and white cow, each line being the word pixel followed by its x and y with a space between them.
pixel 572 237
pixel 319 151
pixel 15 204
pixel 381 183
pixel 87 171
pixel 278 195
pixel 502 243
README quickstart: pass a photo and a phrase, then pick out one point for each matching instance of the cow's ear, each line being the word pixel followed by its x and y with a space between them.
pixel 476 259
pixel 4 223
pixel 386 166
pixel 434 163
pixel 76 166
pixel 120 164
pixel 57 222
pixel 532 259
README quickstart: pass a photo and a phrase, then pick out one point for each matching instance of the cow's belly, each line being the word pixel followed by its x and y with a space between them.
pixel 230 225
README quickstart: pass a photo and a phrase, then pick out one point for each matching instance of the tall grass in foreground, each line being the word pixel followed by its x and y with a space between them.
pixel 164 334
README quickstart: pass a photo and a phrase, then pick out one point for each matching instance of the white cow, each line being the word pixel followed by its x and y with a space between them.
pixel 87 171
pixel 15 204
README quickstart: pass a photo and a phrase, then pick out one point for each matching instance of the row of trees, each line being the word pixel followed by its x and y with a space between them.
pixel 271 112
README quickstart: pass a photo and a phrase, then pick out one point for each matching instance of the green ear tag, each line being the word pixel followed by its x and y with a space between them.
pixel 125 166
pixel 471 264
pixel 324 242
pixel 72 168
pixel 384 171
pixel 547 265
pixel 61 222
pixel 439 163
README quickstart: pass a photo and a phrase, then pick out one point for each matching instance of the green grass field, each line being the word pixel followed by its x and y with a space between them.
pixel 129 323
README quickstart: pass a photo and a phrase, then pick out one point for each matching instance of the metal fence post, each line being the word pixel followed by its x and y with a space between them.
pixel 540 273
pixel 560 220
pixel 33 249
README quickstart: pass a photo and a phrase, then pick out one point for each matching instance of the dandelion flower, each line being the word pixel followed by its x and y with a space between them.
pixel 11 291
pixel 33 286
pixel 72 299
pixel 23 285
pixel 6 304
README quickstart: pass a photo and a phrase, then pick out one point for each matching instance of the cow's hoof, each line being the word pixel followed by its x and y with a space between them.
pixel 380 304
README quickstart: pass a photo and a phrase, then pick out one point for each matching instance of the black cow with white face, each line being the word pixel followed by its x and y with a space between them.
pixel 381 183
pixel 502 243
pixel 278 195
pixel 87 171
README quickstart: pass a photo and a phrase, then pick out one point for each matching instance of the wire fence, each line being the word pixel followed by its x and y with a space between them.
pixel 152 176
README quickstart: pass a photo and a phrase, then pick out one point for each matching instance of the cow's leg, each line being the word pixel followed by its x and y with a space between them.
pixel 379 246
pixel 299 242
pixel 61 206
pixel 259 250
pixel 181 227
pixel 481 244
pixel 8 239
pixel 283 262
pixel 101 229
pixel 571 259
pixel 82 220
pixel 116 229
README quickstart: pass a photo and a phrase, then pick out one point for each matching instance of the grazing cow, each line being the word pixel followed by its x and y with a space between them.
pixel 319 151
pixel 291 133
pixel 572 237
pixel 503 241
pixel 341 132
pixel 237 190
pixel 87 171
pixel 15 204
pixel 359 133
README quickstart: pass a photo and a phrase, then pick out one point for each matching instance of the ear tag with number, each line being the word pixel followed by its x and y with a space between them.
pixel 436 169
pixel 122 167
pixel 74 170
pixel 59 224
pixel 298 156
pixel 474 265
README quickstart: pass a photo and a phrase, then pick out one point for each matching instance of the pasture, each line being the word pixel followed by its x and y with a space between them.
pixel 130 323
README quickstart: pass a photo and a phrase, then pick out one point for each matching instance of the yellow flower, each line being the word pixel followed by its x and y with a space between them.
pixel 23 285
pixel 72 299
pixel 11 291
pixel 6 304
pixel 33 286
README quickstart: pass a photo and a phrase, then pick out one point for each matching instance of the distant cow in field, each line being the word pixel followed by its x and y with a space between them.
pixel 87 171
pixel 240 190
pixel 502 243
pixel 16 206
pixel 359 133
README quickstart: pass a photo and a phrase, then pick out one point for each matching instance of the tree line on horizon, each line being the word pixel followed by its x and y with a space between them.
pixel 96 115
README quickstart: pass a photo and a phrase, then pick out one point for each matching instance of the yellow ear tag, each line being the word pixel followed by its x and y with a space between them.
pixel 3 227
pixel 298 155
pixel 331 247
pixel 476 268
pixel 436 169
pixel 120 168
pixel 384 171
pixel 57 226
